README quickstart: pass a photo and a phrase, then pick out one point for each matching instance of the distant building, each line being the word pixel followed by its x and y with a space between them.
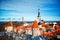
pixel 35 30
pixel 29 30
pixel 54 23
pixel 20 29
pixel 9 27
pixel 24 22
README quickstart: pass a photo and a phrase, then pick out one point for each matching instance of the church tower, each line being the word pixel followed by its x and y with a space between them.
pixel 22 19
pixel 38 17
pixel 24 22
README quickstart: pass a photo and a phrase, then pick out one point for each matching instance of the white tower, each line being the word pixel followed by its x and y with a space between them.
pixel 22 19
pixel 24 22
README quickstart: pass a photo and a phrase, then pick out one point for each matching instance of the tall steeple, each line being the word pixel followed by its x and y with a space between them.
pixel 38 13
pixel 39 21
pixel 22 19
pixel 38 17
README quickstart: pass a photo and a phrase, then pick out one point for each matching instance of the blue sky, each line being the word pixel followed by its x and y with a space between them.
pixel 16 9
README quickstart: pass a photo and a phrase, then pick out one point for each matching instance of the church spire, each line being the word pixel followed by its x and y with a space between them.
pixel 22 19
pixel 38 13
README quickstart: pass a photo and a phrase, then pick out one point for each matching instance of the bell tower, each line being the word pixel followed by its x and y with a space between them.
pixel 38 17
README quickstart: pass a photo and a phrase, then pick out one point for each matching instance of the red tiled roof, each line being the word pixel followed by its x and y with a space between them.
pixel 29 28
pixel 19 28
pixel 48 34
pixel 57 27
pixel 10 23
pixel 44 25
pixel 48 27
pixel 35 24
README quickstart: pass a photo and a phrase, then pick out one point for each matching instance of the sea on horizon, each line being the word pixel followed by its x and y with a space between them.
pixel 30 21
